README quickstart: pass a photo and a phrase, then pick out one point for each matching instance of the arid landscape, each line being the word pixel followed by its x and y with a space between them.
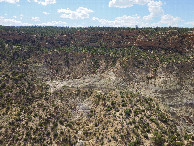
pixel 96 86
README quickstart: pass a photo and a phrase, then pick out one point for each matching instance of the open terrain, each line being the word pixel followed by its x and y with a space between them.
pixel 96 86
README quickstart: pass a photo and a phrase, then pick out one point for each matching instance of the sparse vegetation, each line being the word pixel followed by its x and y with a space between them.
pixel 97 77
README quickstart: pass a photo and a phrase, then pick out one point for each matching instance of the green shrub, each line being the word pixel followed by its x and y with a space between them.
pixel 145 135
pixel 109 108
pixel 46 98
pixel 61 122
pixel 152 119
pixel 136 126
pixel 187 136
pixel 48 133
pixel 124 104
pixel 158 139
pixel 28 133
pixel 133 121
pixel 55 135
pixel 179 143
pixel 162 117
pixel 137 142
pixel 55 124
pixel 70 125
pixel 2 86
pixel 113 103
pixel 148 130
pixel 128 112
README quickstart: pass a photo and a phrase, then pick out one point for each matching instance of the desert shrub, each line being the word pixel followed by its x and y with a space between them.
pixel 61 122
pixel 85 132
pixel 145 135
pixel 162 117
pixel 2 86
pixel 137 142
pixel 122 94
pixel 70 125
pixel 28 133
pixel 148 130
pixel 48 133
pixel 152 119
pixel 136 126
pixel 128 112
pixel 40 123
pixel 55 134
pixel 113 103
pixel 55 124
pixel 133 121
pixel 96 124
pixel 187 136
pixel 109 108
pixel 124 104
pixel 158 139
pixel 179 143
pixel 137 111
pixel 46 98
pixel 2 43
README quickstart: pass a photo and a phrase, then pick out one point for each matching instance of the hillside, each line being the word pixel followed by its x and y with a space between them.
pixel 96 86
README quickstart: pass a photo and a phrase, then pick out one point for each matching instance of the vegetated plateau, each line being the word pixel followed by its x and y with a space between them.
pixel 96 86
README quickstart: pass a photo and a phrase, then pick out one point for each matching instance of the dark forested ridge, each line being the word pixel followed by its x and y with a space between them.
pixel 96 86
pixel 176 39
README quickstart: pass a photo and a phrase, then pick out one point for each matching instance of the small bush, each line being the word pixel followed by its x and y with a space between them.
pixel 124 104
pixel 162 117
pixel 109 108
pixel 48 133
pixel 55 124
pixel 145 135
pixel 61 122
pixel 28 133
pixel 158 139
pixel 128 112
pixel 70 125
pixel 2 86
pixel 113 103
pixel 55 135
